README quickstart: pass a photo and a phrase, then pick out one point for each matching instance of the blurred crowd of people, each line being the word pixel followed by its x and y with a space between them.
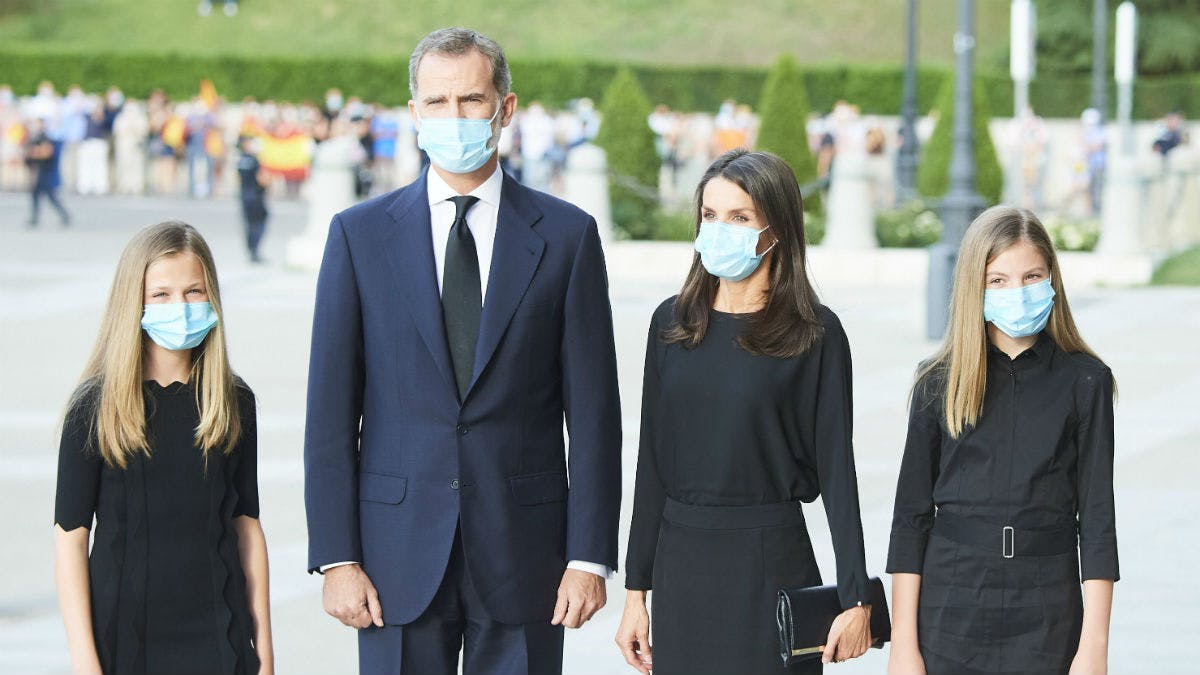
pixel 102 143
pixel 105 143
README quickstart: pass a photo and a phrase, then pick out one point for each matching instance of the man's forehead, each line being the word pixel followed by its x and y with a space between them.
pixel 439 69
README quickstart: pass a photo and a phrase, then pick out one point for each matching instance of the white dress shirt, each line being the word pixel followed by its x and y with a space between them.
pixel 481 219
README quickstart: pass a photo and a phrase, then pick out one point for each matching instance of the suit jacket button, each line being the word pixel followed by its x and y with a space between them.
pixel 463 429
pixel 454 484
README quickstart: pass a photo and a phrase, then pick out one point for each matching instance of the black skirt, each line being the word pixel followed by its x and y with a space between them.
pixel 717 573
pixel 980 612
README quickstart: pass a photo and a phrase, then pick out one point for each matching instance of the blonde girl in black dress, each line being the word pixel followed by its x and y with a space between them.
pixel 159 450
pixel 1005 497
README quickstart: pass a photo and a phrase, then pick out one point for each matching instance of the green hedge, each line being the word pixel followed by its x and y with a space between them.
pixel 875 89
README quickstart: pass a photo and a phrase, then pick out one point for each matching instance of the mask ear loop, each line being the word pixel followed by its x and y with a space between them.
pixel 773 244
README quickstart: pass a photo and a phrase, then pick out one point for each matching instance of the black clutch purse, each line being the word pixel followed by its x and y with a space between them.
pixel 805 615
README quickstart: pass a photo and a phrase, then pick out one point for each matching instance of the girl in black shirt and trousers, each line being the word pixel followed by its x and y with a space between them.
pixel 746 413
pixel 1005 495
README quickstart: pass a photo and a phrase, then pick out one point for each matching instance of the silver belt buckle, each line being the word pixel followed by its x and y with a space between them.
pixel 1008 544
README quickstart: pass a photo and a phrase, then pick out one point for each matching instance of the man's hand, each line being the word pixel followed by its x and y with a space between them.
pixel 350 597
pixel 580 595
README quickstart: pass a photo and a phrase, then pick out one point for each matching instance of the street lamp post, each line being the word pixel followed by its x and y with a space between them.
pixel 962 202
pixel 1022 37
pixel 1120 221
pixel 1100 57
pixel 906 158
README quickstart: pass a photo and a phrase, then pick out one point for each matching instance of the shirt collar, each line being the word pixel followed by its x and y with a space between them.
pixel 487 192
pixel 1042 349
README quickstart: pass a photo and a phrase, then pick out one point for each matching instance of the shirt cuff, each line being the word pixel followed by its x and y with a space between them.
pixel 323 568
pixel 602 571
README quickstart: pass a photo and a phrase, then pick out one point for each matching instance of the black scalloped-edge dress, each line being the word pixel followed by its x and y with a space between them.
pixel 168 593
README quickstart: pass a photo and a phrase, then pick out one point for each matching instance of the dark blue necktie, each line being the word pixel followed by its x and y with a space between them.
pixel 462 294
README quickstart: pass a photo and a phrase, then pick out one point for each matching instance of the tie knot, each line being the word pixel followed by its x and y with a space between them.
pixel 462 204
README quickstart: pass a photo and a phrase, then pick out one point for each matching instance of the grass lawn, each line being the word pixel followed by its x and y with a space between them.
pixel 1181 269
pixel 657 31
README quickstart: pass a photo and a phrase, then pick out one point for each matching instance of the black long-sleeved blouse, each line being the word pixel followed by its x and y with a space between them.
pixel 724 427
pixel 1039 457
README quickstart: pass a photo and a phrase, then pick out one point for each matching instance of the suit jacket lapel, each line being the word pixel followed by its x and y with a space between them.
pixel 409 251
pixel 515 257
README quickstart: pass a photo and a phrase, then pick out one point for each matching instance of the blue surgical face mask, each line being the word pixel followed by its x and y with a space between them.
pixel 729 251
pixel 457 144
pixel 1019 312
pixel 178 325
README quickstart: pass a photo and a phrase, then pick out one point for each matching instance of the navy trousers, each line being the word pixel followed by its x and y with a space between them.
pixel 456 621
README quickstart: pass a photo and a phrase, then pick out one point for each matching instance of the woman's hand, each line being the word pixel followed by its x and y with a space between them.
pixel 905 659
pixel 633 635
pixel 850 635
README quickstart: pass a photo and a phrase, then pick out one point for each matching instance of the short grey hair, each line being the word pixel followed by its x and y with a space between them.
pixel 456 42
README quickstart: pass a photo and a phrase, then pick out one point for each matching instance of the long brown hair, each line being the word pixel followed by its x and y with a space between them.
pixel 787 325
pixel 961 362
pixel 113 376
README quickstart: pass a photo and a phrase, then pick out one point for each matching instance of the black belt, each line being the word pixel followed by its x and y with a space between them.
pixel 733 517
pixel 1007 540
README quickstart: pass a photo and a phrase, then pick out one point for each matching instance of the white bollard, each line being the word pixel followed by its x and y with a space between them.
pixel 329 189
pixel 1120 224
pixel 851 218
pixel 586 185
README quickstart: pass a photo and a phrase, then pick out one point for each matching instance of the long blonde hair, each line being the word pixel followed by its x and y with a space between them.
pixel 113 375
pixel 961 362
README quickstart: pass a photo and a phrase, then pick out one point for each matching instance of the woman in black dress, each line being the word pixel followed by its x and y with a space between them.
pixel 1005 496
pixel 159 447
pixel 746 413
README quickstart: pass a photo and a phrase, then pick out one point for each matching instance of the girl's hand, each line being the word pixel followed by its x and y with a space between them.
pixel 904 658
pixel 633 635
pixel 1089 660
pixel 850 635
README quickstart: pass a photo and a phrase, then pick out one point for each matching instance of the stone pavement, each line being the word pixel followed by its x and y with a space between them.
pixel 53 285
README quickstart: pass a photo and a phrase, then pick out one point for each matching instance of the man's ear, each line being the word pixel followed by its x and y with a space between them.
pixel 509 104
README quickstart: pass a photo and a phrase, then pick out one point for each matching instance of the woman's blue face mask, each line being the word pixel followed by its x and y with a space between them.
pixel 729 251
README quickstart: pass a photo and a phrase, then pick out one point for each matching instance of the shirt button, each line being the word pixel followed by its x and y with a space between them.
pixel 454 484
pixel 463 429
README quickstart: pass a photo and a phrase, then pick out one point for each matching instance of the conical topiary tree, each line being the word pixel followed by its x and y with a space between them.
pixel 783 107
pixel 626 137
pixel 933 173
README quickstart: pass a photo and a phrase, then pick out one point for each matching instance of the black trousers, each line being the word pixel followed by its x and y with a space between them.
pixel 457 621
pixel 717 574
pixel 43 188
pixel 254 214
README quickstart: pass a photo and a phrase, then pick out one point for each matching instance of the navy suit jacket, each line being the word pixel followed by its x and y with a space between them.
pixel 394 462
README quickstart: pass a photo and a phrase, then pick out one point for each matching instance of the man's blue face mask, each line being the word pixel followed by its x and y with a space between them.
pixel 457 144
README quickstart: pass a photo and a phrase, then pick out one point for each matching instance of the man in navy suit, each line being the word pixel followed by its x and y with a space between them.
pixel 458 321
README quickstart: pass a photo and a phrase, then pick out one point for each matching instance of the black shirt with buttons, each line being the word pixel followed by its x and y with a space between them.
pixel 1039 457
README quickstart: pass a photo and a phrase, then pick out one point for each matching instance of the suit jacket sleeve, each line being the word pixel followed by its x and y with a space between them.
pixel 593 408
pixel 335 396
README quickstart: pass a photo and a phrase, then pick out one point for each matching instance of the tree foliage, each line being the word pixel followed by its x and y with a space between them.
pixel 933 173
pixel 633 164
pixel 1168 36
pixel 783 110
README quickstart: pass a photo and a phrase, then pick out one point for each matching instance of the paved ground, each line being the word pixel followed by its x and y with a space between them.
pixel 53 285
